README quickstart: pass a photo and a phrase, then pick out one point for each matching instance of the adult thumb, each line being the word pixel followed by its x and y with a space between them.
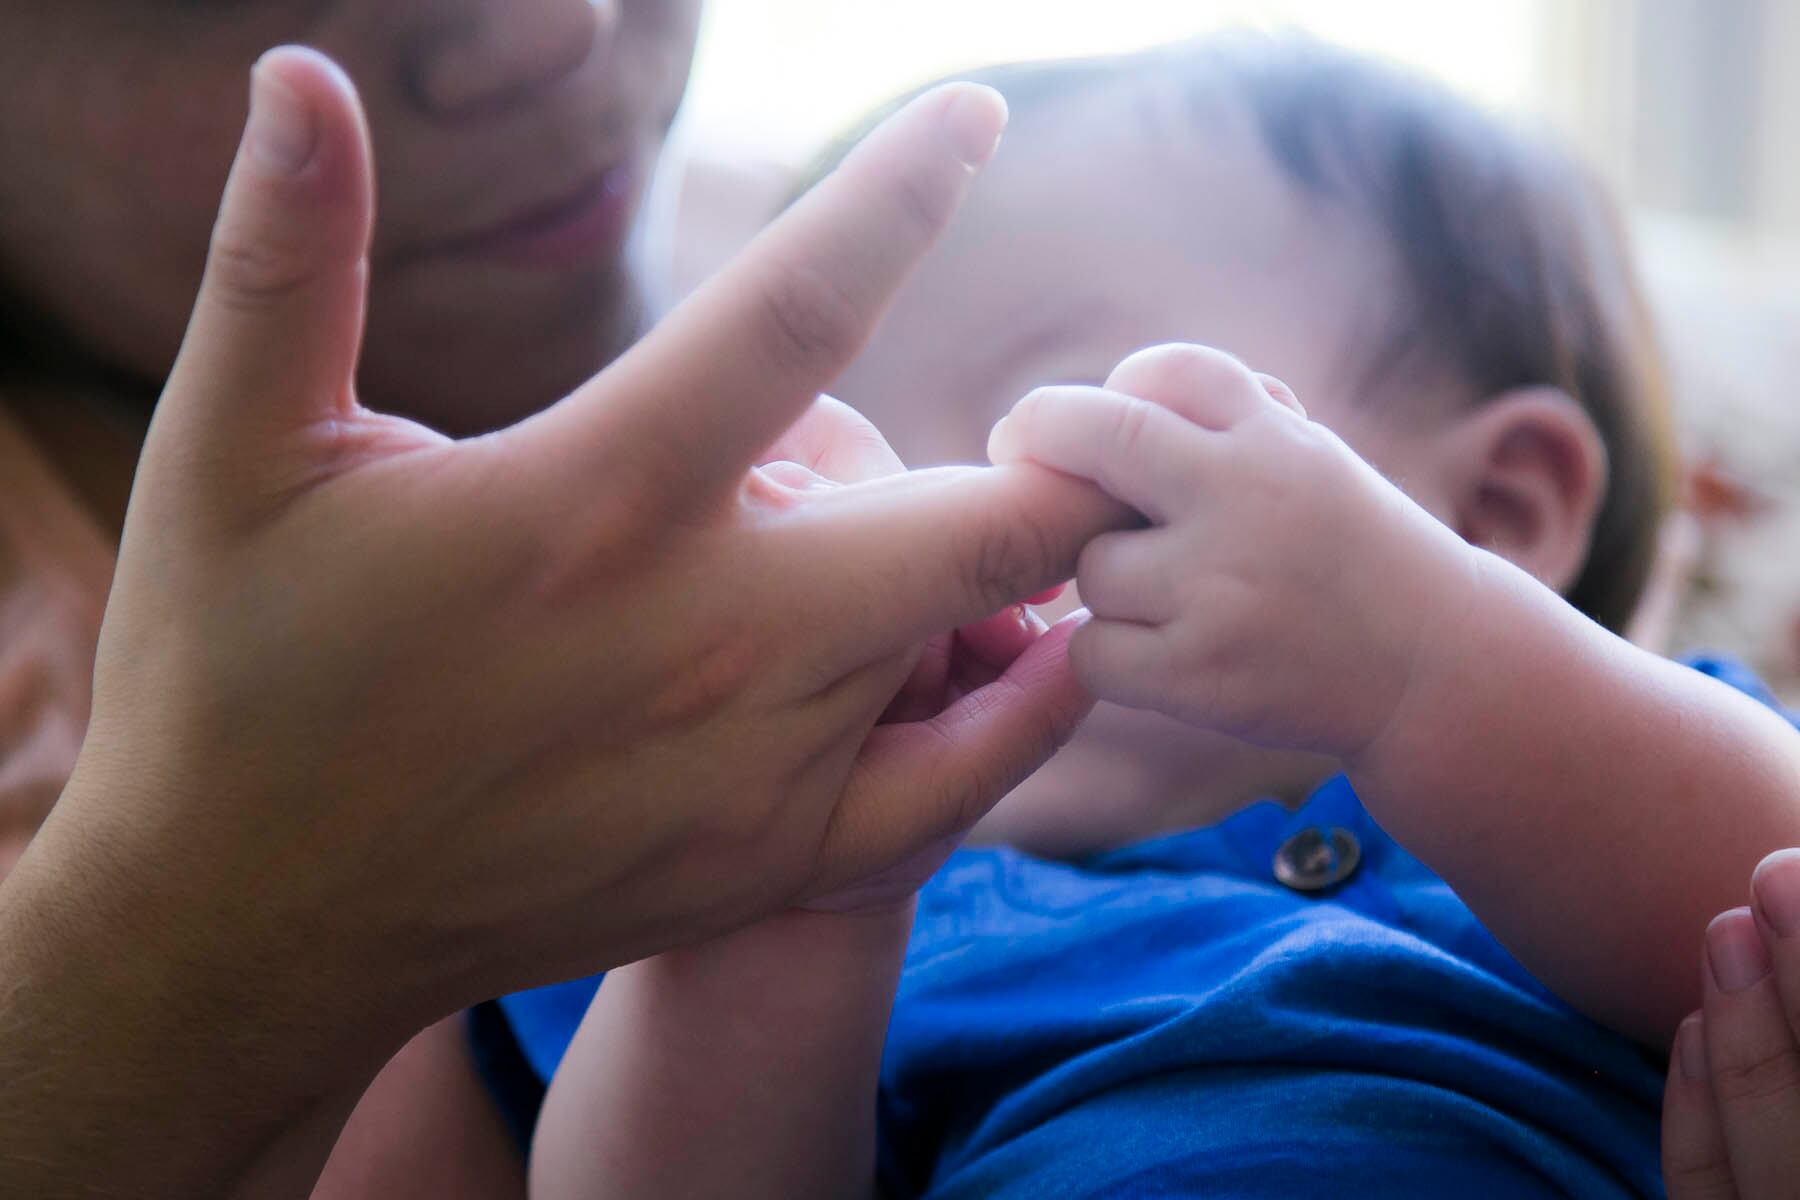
pixel 917 784
pixel 278 322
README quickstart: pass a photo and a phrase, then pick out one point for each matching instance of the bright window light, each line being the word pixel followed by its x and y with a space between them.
pixel 777 78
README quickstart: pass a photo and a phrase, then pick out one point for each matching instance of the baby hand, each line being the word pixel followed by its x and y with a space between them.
pixel 1283 589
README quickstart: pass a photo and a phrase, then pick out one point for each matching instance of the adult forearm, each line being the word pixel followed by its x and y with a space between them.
pixel 140 1059
pixel 745 1066
pixel 1594 804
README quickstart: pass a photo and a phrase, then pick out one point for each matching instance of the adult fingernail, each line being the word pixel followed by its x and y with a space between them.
pixel 1735 950
pixel 1690 1047
pixel 283 132
pixel 973 121
pixel 1776 885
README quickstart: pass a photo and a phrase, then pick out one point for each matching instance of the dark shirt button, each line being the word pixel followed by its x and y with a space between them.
pixel 1313 859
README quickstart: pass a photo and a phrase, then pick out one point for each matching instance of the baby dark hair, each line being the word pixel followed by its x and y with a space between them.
pixel 1513 268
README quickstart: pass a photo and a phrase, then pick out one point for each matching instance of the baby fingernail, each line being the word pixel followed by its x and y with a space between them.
pixel 1776 885
pixel 1690 1047
pixel 1735 950
pixel 1281 393
pixel 1002 441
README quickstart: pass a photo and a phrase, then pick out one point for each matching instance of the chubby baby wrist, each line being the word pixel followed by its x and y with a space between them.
pixel 1430 660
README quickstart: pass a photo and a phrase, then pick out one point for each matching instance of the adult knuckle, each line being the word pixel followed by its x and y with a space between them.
pixel 992 562
pixel 1768 1075
pixel 1009 559
pixel 979 787
pixel 717 669
pixel 809 319
pixel 953 785
pixel 925 202
pixel 988 782
pixel 1698 1179
pixel 253 271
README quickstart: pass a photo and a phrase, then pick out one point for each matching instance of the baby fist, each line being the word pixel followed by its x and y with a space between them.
pixel 1283 587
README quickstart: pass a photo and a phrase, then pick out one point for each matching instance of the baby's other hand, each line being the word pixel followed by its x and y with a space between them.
pixel 1283 588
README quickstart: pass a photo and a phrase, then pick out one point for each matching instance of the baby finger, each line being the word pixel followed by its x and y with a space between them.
pixel 1123 662
pixel 1136 451
pixel 1127 576
pixel 1209 387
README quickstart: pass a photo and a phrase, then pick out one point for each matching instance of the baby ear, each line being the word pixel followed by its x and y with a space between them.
pixel 1529 474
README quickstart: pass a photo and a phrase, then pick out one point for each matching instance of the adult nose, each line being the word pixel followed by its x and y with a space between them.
pixel 506 51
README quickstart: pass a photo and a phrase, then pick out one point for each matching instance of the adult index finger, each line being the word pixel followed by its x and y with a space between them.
pixel 930 551
pixel 692 405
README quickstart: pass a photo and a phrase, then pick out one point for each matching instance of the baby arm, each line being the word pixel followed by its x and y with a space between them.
pixel 745 1066
pixel 1593 804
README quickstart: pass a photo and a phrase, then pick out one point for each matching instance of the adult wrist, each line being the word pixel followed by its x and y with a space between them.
pixel 154 1042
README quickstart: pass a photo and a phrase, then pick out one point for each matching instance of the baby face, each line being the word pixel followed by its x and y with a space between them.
pixel 513 139
pixel 1110 221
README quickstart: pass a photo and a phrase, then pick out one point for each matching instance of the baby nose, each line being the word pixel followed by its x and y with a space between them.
pixel 508 51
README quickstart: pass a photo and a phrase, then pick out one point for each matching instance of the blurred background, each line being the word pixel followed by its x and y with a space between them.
pixel 1690 109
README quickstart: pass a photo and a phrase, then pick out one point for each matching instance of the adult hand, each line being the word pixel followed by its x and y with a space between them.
pixel 386 723
pixel 1731 1112
pixel 959 678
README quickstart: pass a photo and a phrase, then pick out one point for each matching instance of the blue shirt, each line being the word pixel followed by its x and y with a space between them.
pixel 1169 1018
